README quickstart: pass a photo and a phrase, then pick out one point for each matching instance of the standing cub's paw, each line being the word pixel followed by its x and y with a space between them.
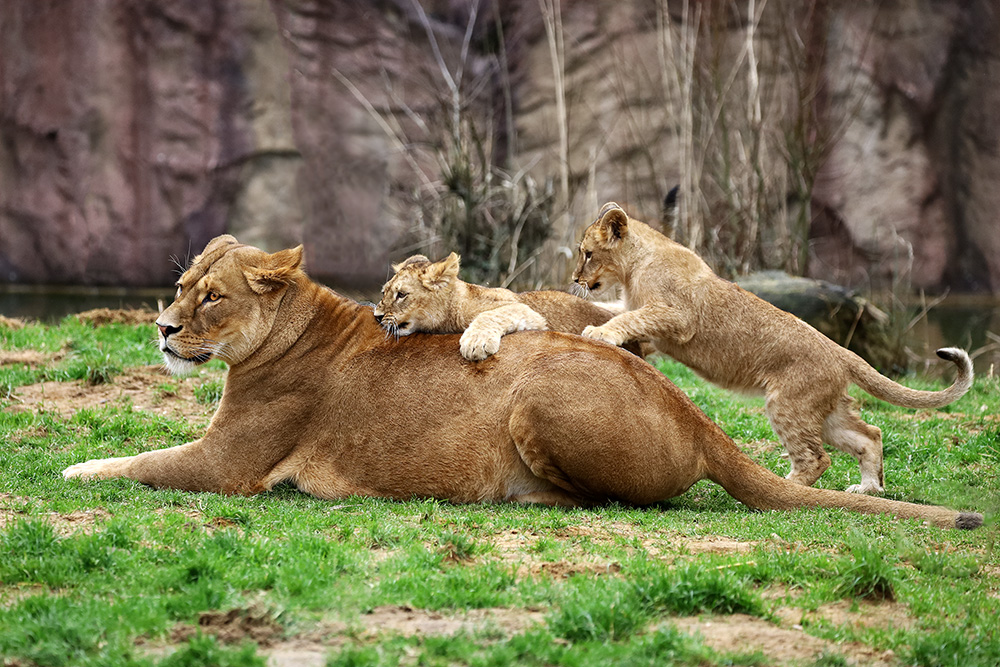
pixel 477 345
pixel 870 488
pixel 602 333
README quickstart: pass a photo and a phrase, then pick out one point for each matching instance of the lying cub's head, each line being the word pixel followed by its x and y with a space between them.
pixel 600 247
pixel 226 303
pixel 417 298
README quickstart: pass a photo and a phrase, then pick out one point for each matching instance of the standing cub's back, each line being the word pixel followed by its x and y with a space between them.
pixel 565 312
pixel 428 296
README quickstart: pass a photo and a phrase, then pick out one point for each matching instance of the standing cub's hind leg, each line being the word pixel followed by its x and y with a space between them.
pixel 802 437
pixel 845 430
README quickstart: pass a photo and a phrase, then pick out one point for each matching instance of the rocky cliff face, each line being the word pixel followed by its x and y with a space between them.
pixel 857 145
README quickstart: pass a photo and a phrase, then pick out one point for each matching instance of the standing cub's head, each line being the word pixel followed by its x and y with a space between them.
pixel 600 247
pixel 418 297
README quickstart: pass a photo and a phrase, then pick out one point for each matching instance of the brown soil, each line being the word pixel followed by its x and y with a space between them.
pixel 782 645
pixel 100 316
pixel 12 509
pixel 31 358
pixel 147 388
pixel 233 626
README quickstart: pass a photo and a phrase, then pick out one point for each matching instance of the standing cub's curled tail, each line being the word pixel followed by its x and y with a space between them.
pixel 883 388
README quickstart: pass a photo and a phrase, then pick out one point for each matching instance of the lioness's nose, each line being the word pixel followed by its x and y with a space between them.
pixel 166 330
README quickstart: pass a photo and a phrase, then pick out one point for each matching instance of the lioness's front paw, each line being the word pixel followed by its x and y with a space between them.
pixel 601 333
pixel 95 468
pixel 477 345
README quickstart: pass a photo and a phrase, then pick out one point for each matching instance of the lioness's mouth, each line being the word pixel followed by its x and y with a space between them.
pixel 197 359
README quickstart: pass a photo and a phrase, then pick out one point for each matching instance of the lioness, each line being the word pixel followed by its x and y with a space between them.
pixel 318 395
pixel 428 296
pixel 738 341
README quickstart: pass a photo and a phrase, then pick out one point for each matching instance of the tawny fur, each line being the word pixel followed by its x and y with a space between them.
pixel 317 394
pixel 425 296
pixel 738 341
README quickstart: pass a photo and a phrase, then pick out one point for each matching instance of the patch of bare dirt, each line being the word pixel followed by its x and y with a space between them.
pixel 11 322
pixel 232 627
pixel 99 316
pixel 742 633
pixel 311 649
pixel 562 569
pixel 517 546
pixel 12 509
pixel 31 358
pixel 147 388
pixel 856 614
pixel 407 621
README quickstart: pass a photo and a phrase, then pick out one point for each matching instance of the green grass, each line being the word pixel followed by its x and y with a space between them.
pixel 106 573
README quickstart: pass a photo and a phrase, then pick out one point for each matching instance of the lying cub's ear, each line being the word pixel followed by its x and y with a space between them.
pixel 613 223
pixel 275 271
pixel 439 274
pixel 410 260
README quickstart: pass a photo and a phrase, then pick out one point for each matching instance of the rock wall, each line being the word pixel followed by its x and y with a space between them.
pixel 132 131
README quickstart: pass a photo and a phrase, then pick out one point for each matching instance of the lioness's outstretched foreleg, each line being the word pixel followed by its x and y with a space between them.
pixel 190 467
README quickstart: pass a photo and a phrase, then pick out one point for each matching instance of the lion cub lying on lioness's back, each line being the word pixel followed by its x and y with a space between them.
pixel 428 296
pixel 736 340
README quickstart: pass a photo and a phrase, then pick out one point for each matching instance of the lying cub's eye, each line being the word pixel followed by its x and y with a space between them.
pixel 401 295
pixel 212 297
pixel 587 254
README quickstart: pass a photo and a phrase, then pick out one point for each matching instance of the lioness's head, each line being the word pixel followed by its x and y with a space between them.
pixel 226 303
pixel 417 297
pixel 599 249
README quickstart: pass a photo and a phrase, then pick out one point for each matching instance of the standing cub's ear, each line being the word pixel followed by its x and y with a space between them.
pixel 275 271
pixel 613 223
pixel 439 274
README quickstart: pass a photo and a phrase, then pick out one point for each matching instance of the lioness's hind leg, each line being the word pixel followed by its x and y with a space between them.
pixel 802 438
pixel 845 430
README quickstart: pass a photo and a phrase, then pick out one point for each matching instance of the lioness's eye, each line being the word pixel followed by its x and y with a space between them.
pixel 587 254
pixel 212 297
pixel 400 296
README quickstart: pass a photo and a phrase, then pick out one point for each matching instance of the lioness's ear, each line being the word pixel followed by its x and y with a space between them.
pixel 276 271
pixel 215 244
pixel 613 223
pixel 441 273
pixel 409 260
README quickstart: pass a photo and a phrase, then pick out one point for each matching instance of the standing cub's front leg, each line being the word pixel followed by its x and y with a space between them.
pixel 482 336
pixel 651 321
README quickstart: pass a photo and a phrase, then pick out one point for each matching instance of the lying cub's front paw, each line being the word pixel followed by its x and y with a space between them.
pixel 95 468
pixel 600 333
pixel 477 345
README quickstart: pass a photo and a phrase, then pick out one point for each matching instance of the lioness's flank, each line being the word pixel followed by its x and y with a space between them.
pixel 738 341
pixel 318 395
pixel 428 297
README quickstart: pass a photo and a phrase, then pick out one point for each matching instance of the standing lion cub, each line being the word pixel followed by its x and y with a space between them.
pixel 738 341
pixel 428 296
